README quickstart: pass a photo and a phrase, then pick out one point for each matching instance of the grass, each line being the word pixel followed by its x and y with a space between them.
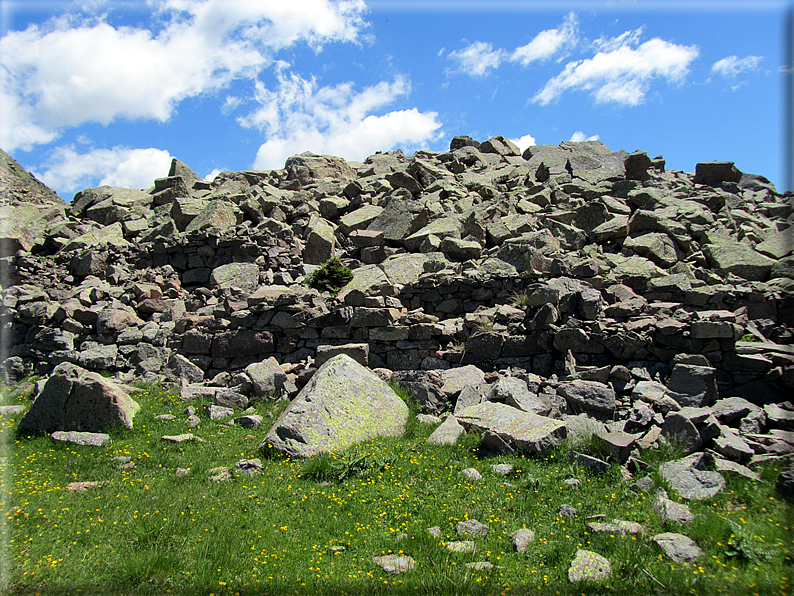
pixel 147 531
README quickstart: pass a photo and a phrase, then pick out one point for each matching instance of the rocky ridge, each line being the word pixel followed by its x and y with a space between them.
pixel 569 283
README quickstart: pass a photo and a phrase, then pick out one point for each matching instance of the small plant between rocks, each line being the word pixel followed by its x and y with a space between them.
pixel 331 276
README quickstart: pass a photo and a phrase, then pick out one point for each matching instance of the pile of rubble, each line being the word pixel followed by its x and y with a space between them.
pixel 604 283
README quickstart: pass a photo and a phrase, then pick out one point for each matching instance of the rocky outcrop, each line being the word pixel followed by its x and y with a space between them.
pixel 610 287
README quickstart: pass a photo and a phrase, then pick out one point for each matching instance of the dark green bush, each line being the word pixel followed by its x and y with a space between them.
pixel 332 276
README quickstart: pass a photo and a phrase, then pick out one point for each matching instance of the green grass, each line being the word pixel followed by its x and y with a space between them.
pixel 147 531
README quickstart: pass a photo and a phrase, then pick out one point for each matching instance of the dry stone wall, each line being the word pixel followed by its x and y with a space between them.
pixel 566 262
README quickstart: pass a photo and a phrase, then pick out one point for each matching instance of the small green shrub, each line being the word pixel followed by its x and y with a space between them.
pixel 331 467
pixel 332 276
pixel 521 299
pixel 750 337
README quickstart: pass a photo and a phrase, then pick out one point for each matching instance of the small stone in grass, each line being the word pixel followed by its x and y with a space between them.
pixel 590 566
pixel 471 474
pixel 395 563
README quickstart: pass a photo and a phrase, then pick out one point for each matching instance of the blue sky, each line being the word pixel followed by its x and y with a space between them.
pixel 98 92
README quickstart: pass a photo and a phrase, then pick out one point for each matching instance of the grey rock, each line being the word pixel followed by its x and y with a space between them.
pixel 267 377
pixel 395 563
pixel 471 474
pixel 447 433
pixel 588 566
pixel 690 478
pixel 510 429
pixel 514 392
pixel 588 395
pixel 75 399
pixel 670 511
pixel 80 438
pixel 683 431
pixel 692 385
pixel 521 539
pixel 180 367
pixel 343 404
pixel 678 547
pixel 472 527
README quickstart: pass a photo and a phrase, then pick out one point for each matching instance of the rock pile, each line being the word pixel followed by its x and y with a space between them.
pixel 532 295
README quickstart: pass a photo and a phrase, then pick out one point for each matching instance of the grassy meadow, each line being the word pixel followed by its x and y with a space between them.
pixel 314 526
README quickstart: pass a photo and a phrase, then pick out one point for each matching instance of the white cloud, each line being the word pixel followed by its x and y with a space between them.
pixel 211 176
pixel 60 74
pixel 622 75
pixel 298 116
pixel 610 44
pixel 548 42
pixel 579 136
pixel 731 66
pixel 67 171
pixel 477 59
pixel 524 142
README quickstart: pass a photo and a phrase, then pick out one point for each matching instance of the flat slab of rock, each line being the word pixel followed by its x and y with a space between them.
pixel 80 438
pixel 519 431
pixel 617 526
pixel 588 395
pixel 588 566
pixel 678 547
pixel 11 409
pixel 343 404
pixel 395 563
pixel 81 487
pixel 183 438
pixel 689 478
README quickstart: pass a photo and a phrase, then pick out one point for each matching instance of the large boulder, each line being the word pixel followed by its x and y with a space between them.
pixel 509 429
pixel 343 404
pixel 75 399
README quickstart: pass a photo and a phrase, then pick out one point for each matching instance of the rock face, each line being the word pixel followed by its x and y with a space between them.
pixel 343 404
pixel 74 399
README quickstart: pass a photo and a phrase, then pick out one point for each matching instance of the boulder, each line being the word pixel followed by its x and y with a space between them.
pixel 240 275
pixel 267 377
pixel 691 479
pixel 588 566
pixel 447 433
pixel 588 395
pixel 343 404
pixel 692 385
pixel 678 547
pixel 74 399
pixel 510 429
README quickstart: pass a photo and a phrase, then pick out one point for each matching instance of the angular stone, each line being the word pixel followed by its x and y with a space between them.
pixel 463 546
pixel 343 404
pixel 588 395
pixel 358 352
pixel 514 392
pixel 267 377
pixel 689 478
pixel 182 368
pixel 682 431
pixel 678 547
pixel 588 566
pixel 472 527
pixel 517 430
pixel 739 259
pixel 521 539
pixel 241 342
pixel 447 433
pixel 670 511
pixel 692 385
pixel 75 399
pixel 454 380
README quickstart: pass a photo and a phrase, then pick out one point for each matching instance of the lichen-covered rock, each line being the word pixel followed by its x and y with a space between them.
pixel 590 566
pixel 343 404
